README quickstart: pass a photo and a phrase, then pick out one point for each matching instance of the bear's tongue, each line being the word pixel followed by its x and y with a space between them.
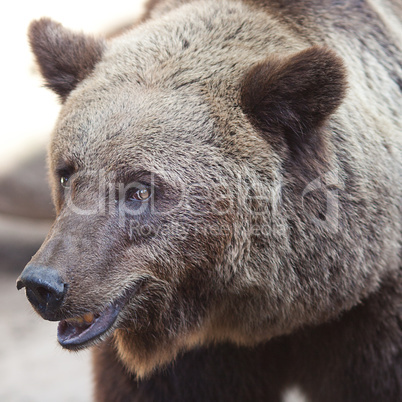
pixel 74 332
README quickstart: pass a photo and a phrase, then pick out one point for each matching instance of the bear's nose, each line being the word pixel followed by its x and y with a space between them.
pixel 45 290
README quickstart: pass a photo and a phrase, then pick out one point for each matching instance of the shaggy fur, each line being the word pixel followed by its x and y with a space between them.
pixel 269 254
pixel 65 58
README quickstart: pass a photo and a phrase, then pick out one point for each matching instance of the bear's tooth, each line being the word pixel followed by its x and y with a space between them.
pixel 75 320
pixel 88 317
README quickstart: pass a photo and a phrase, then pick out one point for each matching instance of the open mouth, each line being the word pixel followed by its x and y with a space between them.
pixel 77 332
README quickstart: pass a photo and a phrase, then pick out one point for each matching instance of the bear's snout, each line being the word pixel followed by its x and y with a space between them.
pixel 45 290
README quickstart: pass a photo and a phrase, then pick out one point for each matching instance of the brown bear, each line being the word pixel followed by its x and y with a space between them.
pixel 227 182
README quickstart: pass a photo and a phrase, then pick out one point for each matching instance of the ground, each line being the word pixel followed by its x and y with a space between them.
pixel 33 367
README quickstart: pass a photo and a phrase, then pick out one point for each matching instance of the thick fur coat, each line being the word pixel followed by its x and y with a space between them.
pixel 267 137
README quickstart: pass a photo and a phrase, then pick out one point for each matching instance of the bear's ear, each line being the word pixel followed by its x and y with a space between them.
pixel 294 96
pixel 64 57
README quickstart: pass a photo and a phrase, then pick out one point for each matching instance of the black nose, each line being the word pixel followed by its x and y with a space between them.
pixel 45 290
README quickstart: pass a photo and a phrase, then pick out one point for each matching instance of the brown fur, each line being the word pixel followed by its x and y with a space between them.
pixel 292 98
pixel 72 55
pixel 275 220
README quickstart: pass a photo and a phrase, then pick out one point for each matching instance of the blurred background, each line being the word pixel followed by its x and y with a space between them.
pixel 32 365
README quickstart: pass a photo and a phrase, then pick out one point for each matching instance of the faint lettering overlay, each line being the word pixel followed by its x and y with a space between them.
pixel 102 193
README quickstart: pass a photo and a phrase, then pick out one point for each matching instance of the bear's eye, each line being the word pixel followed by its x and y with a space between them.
pixel 65 181
pixel 64 174
pixel 140 194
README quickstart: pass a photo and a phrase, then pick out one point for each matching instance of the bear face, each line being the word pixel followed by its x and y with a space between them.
pixel 179 175
pixel 179 209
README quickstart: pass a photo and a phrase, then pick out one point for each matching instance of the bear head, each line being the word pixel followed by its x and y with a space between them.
pixel 183 167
